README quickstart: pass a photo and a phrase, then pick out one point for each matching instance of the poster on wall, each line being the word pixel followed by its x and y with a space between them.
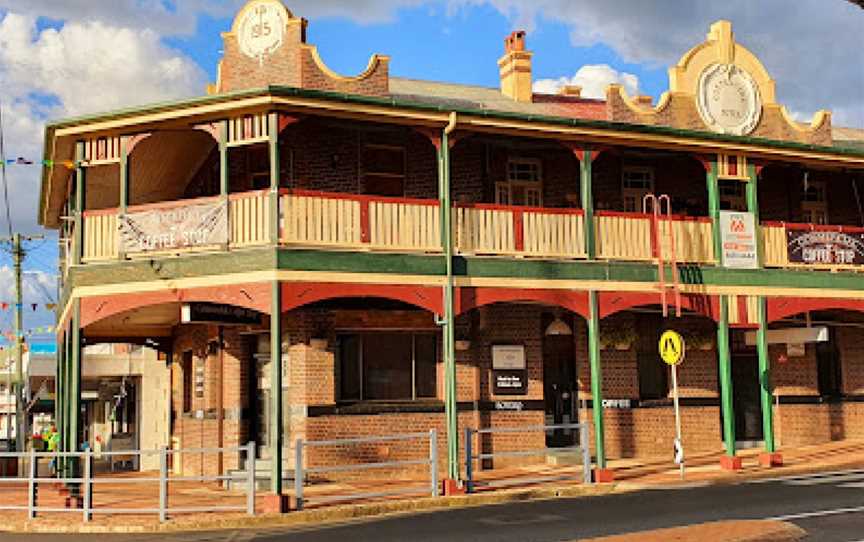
pixel 738 240
pixel 190 226
pixel 509 371
pixel 825 247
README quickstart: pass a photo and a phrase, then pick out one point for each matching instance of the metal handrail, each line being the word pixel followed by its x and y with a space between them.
pixel 470 457
pixel 300 471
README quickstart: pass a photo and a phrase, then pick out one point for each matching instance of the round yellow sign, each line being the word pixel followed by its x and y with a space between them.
pixel 671 347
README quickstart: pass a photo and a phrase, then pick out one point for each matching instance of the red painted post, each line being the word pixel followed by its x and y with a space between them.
pixel 518 230
pixel 365 233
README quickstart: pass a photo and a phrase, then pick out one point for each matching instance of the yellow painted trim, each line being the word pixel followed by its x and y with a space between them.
pixel 374 62
pixel 819 119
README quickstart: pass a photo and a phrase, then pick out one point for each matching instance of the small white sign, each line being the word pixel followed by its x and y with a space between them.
pixel 738 239
pixel 508 357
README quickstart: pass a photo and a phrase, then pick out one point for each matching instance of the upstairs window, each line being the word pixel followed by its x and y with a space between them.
pixel 524 184
pixel 384 170
pixel 733 195
pixel 814 202
pixel 636 183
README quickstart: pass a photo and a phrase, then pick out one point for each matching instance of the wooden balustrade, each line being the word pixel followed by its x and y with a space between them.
pixel 552 233
pixel 321 219
pixel 409 225
pixel 483 229
pixel 693 240
pixel 249 219
pixel 100 236
pixel 623 236
pixel 774 245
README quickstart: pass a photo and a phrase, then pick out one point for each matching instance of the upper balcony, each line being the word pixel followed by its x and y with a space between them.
pixel 373 188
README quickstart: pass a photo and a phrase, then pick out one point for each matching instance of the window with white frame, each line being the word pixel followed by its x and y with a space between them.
pixel 524 184
pixel 814 202
pixel 636 183
pixel 733 194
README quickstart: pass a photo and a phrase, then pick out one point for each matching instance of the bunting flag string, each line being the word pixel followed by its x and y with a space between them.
pixel 38 330
pixel 5 306
pixel 21 161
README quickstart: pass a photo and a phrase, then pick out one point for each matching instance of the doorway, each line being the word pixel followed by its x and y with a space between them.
pixel 559 385
pixel 746 401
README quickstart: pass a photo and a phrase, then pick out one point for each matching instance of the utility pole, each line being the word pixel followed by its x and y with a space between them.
pixel 22 429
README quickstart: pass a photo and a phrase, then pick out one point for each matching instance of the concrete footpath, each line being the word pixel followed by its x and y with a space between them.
pixel 718 531
pixel 631 475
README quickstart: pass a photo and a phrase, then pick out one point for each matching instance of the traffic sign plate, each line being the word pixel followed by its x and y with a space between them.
pixel 671 347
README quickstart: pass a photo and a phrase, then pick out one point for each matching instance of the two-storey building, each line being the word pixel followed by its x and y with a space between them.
pixel 433 255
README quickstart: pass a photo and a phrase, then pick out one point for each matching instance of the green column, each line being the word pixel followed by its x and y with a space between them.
pixel 587 197
pixel 714 211
pixel 74 380
pixel 596 377
pixel 753 207
pixel 725 366
pixel 80 179
pixel 765 378
pixel 449 349
pixel 223 158
pixel 124 186
pixel 276 436
pixel 59 386
pixel 273 130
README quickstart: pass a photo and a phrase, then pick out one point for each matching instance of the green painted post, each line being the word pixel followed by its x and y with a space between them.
pixel 725 363
pixel 223 159
pixel 124 186
pixel 450 407
pixel 276 436
pixel 765 378
pixel 596 377
pixel 80 179
pixel 753 206
pixel 273 130
pixel 714 211
pixel 587 196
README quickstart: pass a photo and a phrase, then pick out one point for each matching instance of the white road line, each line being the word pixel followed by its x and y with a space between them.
pixel 803 476
pixel 853 485
pixel 820 513
pixel 833 479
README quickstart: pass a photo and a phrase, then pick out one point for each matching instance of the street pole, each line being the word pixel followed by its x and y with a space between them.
pixel 679 445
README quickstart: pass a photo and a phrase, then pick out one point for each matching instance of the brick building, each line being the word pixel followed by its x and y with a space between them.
pixel 418 254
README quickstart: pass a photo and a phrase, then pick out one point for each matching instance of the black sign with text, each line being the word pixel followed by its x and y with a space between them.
pixel 510 381
pixel 825 247
pixel 218 313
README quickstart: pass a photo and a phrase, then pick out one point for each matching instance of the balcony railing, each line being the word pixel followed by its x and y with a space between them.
pixel 359 222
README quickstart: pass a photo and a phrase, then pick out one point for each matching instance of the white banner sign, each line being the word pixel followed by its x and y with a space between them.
pixel 191 226
pixel 508 357
pixel 738 239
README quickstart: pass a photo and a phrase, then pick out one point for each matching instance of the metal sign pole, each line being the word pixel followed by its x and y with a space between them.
pixel 679 446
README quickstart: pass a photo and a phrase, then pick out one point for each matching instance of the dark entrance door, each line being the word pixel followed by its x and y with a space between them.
pixel 559 384
pixel 745 396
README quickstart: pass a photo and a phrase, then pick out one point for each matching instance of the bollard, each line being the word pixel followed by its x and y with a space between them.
pixel 163 484
pixel 433 460
pixel 298 474
pixel 469 462
pixel 586 453
pixel 250 478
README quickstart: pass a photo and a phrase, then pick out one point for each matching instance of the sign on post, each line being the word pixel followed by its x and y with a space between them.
pixel 738 240
pixel 672 349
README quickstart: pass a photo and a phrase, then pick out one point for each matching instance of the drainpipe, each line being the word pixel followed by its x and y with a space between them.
pixel 450 411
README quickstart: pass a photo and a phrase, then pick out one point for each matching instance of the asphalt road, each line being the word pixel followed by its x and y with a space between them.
pixel 829 506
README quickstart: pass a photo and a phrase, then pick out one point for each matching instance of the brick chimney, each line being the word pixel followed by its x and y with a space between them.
pixel 515 68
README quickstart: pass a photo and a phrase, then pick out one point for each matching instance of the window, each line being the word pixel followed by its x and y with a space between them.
pixel 733 195
pixel 524 184
pixel 828 365
pixel 814 202
pixel 636 183
pixel 258 166
pixel 384 170
pixel 388 366
pixel 187 382
pixel 653 376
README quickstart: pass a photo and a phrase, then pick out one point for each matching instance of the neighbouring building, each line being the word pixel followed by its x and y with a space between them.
pixel 433 255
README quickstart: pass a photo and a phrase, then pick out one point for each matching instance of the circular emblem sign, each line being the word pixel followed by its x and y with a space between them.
pixel 262 29
pixel 728 100
pixel 671 347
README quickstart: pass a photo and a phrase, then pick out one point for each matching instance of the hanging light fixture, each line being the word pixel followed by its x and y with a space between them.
pixel 558 327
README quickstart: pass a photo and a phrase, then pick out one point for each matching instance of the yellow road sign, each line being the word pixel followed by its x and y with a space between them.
pixel 671 347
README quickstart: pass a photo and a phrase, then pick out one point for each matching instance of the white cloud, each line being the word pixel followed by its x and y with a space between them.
pixel 81 68
pixel 593 78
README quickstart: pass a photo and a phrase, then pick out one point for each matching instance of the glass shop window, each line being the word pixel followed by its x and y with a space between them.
pixel 384 170
pixel 636 183
pixel 388 366
pixel 524 184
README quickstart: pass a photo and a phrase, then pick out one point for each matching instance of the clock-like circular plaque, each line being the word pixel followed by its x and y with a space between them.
pixel 261 30
pixel 728 99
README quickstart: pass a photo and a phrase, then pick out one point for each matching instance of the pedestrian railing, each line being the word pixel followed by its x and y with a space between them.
pixel 305 475
pixel 581 451
pixel 74 471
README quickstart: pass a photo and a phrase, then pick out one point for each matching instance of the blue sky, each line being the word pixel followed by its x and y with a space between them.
pixel 72 57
